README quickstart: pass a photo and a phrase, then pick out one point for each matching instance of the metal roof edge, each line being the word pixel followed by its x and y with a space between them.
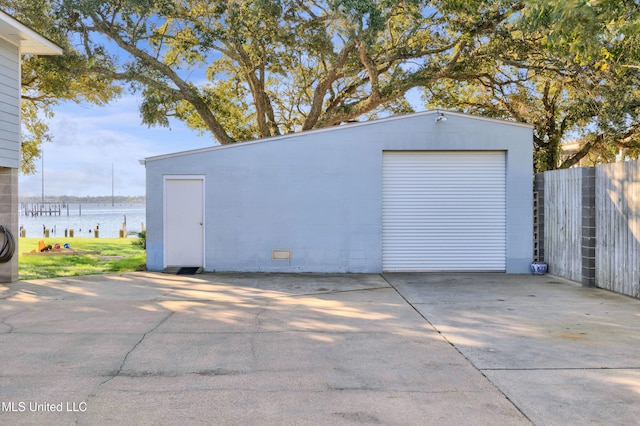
pixel 483 118
pixel 333 128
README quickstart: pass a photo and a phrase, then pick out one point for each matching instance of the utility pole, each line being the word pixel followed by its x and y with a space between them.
pixel 42 167
pixel 112 187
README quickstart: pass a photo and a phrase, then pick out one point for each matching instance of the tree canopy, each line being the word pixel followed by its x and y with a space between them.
pixel 570 69
pixel 49 80
pixel 247 69
pixel 240 70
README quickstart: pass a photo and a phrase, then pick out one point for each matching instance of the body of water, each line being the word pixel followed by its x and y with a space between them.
pixel 84 218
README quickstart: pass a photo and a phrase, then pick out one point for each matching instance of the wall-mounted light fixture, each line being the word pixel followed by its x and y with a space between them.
pixel 441 117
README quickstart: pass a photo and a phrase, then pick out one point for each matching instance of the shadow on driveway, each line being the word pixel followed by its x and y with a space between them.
pixel 563 354
pixel 145 348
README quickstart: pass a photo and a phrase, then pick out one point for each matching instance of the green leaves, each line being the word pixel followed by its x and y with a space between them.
pixel 48 80
pixel 241 69
pixel 565 67
pixel 589 32
pixel 366 14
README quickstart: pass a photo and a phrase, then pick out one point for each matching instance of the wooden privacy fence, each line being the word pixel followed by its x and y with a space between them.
pixel 591 225
pixel 563 223
pixel 618 227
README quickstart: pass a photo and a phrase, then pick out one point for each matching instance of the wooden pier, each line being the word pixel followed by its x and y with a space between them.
pixel 42 209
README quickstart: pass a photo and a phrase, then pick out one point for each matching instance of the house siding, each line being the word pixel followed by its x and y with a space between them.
pixel 319 193
pixel 9 148
pixel 9 105
pixel 15 40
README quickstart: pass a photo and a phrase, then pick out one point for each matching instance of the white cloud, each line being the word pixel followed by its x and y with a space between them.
pixel 87 141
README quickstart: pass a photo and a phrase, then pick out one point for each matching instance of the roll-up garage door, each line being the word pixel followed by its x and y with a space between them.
pixel 444 211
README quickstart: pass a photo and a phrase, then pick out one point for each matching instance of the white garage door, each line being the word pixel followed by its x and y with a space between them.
pixel 444 211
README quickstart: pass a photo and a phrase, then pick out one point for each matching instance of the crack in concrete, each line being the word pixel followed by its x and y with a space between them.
pixel 259 314
pixel 559 368
pixel 5 323
pixel 259 319
pixel 253 344
pixel 215 372
pixel 444 337
pixel 126 356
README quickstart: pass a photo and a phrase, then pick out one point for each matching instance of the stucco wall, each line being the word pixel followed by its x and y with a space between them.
pixel 319 193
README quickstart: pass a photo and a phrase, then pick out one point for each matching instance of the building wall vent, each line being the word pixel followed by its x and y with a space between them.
pixel 281 255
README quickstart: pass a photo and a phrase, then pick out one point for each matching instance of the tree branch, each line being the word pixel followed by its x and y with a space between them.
pixel 188 92
pixel 586 148
pixel 323 86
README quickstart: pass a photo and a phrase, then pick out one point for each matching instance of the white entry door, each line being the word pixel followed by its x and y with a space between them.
pixel 184 221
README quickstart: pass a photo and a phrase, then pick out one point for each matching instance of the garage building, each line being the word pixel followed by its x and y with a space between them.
pixel 431 191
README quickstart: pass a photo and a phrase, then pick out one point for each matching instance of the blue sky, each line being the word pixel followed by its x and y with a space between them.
pixel 88 139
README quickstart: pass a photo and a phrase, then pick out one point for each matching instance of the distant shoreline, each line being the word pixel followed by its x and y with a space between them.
pixel 71 199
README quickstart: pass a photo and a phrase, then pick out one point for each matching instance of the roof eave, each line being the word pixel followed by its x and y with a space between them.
pixel 28 40
pixel 335 128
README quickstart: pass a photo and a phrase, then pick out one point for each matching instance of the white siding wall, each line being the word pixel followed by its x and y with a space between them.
pixel 9 105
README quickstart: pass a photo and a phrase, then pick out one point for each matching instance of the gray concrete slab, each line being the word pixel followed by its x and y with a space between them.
pixel 563 354
pixel 145 348
pixel 397 349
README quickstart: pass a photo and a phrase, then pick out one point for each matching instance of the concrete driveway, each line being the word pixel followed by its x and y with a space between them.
pixel 397 349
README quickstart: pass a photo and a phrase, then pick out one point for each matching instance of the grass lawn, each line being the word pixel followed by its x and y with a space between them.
pixel 116 255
